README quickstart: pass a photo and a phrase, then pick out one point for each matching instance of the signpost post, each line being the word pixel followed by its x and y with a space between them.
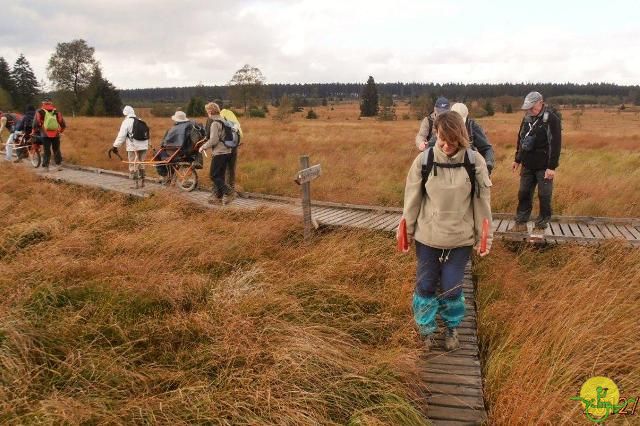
pixel 304 178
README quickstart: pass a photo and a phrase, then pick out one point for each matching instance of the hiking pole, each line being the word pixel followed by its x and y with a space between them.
pixel 114 150
pixel 485 235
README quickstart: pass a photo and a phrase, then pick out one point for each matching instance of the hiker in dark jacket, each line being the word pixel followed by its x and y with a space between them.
pixel 8 121
pixel 23 127
pixel 477 138
pixel 426 136
pixel 48 132
pixel 538 151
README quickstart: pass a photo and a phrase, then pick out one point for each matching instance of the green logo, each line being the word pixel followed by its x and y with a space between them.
pixel 600 398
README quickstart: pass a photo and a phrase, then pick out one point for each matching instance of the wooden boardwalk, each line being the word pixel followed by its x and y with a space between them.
pixel 454 378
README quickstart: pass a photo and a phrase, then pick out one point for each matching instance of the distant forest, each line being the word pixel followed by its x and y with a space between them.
pixel 603 92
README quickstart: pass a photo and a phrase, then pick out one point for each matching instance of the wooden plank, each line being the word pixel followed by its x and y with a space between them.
pixel 446 400
pixel 633 231
pixel 393 225
pixel 382 221
pixel 463 352
pixel 585 230
pixel 457 370
pixel 614 230
pixel 566 230
pixel 448 389
pixel 331 215
pixel 596 232
pixel 576 230
pixel 624 231
pixel 438 412
pixel 358 217
pixel 504 226
pixel 605 231
pixel 344 217
pixel 452 379
pixel 368 220
pixel 555 228
pixel 444 359
pixel 495 223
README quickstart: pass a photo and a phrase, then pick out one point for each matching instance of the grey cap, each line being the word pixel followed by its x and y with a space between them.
pixel 531 99
pixel 442 105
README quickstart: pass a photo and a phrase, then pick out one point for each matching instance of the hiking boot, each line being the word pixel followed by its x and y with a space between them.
pixel 542 225
pixel 214 200
pixel 228 198
pixel 59 168
pixel 519 227
pixel 46 169
pixel 18 160
pixel 428 341
pixel 451 341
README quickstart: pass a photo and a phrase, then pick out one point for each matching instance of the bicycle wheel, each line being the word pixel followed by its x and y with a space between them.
pixel 34 157
pixel 186 178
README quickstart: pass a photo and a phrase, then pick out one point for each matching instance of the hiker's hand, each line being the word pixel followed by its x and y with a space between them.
pixel 422 146
pixel 201 149
pixel 515 166
pixel 114 150
pixel 549 174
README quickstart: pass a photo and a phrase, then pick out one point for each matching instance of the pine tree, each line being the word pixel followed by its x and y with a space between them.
pixel 6 82
pixel 26 84
pixel 387 109
pixel 102 98
pixel 489 108
pixel 369 103
pixel 195 108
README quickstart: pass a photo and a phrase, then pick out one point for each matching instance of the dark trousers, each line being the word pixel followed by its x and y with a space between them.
pixel 231 169
pixel 446 268
pixel 49 144
pixel 219 165
pixel 529 179
pixel 448 273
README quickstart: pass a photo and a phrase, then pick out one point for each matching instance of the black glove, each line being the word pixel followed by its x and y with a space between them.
pixel 114 150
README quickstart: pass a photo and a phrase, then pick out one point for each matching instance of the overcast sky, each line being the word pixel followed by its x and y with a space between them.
pixel 158 43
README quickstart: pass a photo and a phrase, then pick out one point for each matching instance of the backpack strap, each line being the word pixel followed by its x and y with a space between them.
pixel 427 165
pixel 470 130
pixel 430 132
pixel 470 167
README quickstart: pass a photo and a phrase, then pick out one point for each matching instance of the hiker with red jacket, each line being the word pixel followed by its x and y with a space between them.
pixel 48 125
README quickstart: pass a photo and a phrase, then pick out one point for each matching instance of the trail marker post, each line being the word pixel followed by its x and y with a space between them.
pixel 304 178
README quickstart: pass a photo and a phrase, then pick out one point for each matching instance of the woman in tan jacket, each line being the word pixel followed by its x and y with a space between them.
pixel 444 214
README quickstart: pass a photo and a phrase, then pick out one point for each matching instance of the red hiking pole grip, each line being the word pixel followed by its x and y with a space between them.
pixel 403 241
pixel 485 235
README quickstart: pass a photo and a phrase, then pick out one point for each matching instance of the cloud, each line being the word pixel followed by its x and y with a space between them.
pixel 152 43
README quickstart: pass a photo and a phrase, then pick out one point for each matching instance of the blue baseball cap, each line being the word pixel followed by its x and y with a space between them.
pixel 442 105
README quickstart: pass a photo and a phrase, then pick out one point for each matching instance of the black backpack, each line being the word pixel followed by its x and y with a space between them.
pixel 231 137
pixel 428 164
pixel 140 130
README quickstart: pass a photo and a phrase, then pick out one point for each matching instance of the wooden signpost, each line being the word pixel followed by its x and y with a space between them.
pixel 304 178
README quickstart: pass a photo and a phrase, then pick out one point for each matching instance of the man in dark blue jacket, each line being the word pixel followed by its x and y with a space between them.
pixel 23 128
pixel 538 152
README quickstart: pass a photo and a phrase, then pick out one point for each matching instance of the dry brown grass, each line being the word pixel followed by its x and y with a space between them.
pixel 365 161
pixel 550 320
pixel 127 311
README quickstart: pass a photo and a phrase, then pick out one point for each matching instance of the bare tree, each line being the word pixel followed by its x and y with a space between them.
pixel 246 87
